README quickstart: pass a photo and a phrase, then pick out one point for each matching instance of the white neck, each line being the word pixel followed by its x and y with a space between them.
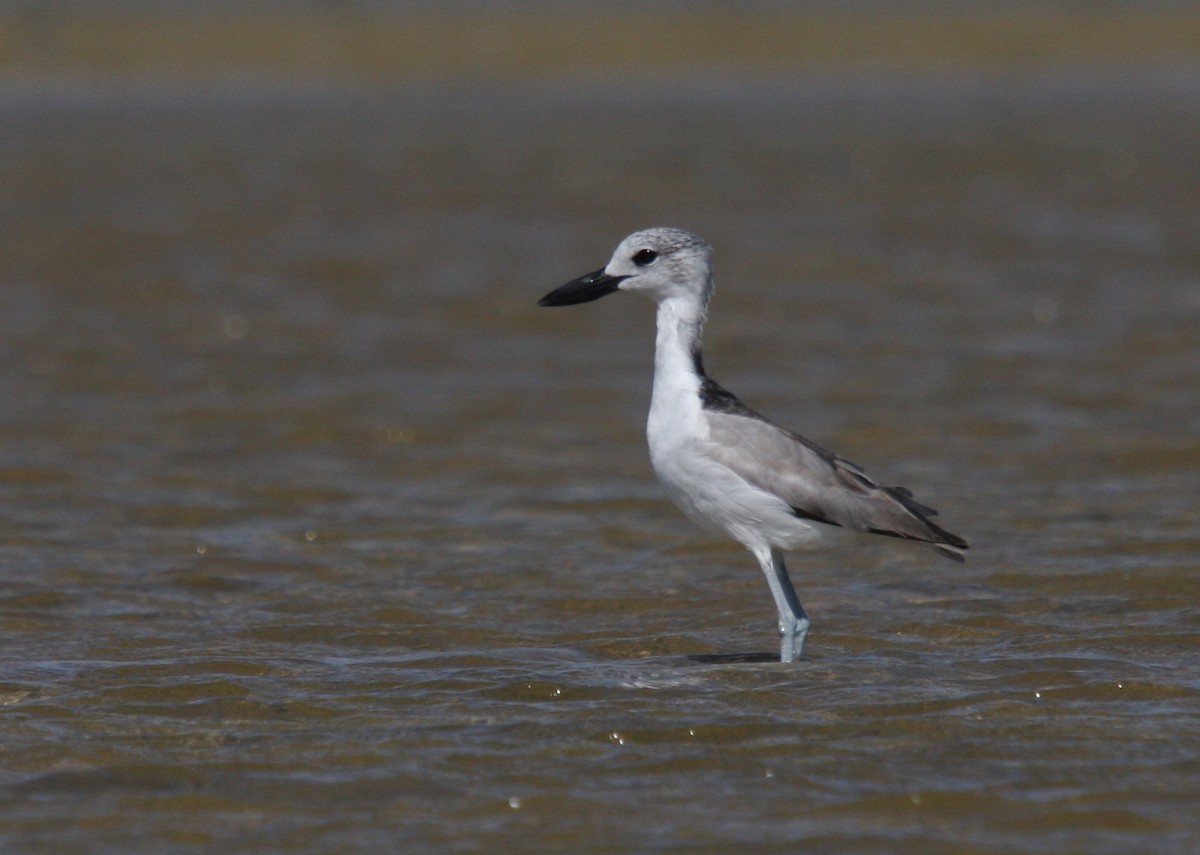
pixel 680 326
pixel 675 402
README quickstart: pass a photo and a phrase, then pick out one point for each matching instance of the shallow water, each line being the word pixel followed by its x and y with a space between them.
pixel 320 536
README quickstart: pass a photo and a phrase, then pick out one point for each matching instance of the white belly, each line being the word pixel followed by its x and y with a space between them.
pixel 707 491
pixel 717 498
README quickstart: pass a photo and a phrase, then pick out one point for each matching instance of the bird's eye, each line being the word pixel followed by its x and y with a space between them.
pixel 644 257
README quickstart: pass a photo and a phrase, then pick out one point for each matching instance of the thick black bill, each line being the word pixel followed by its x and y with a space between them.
pixel 595 285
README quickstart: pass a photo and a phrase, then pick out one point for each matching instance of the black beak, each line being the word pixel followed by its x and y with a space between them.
pixel 593 286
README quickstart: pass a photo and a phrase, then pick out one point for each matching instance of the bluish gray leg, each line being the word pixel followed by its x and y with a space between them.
pixel 793 622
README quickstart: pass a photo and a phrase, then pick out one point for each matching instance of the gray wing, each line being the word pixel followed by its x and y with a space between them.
pixel 817 484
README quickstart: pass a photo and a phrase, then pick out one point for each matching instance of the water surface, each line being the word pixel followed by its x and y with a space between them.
pixel 319 535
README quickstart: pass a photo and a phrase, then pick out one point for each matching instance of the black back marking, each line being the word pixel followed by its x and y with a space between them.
pixel 715 397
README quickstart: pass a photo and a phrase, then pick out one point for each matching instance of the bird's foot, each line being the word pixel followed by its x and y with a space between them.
pixel 792 634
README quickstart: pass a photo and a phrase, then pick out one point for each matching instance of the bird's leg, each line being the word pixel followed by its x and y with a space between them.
pixel 793 622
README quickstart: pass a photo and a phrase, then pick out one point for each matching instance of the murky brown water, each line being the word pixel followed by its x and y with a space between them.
pixel 319 536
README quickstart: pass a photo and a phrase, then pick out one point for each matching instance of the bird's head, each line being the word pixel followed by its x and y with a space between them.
pixel 661 263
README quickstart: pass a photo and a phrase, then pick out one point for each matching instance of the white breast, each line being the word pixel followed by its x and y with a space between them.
pixel 677 432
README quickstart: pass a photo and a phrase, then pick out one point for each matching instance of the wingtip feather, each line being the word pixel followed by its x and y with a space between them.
pixel 954 553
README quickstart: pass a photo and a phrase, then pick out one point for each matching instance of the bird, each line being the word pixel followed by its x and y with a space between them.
pixel 726 466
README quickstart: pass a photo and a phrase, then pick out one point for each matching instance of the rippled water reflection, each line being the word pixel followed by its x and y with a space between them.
pixel 319 535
